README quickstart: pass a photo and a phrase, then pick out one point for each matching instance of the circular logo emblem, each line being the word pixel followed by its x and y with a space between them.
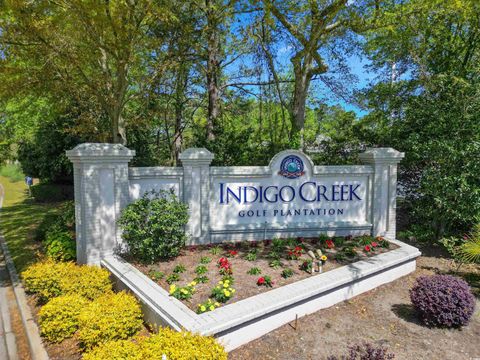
pixel 291 167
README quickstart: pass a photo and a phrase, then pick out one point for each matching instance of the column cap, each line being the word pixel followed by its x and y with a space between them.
pixel 381 156
pixel 194 156
pixel 100 152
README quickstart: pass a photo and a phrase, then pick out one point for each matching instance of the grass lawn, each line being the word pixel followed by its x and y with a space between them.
pixel 18 219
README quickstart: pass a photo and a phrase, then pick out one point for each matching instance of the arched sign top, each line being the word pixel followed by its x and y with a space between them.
pixel 291 164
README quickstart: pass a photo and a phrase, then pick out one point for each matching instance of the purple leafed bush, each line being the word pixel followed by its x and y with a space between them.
pixel 365 351
pixel 443 300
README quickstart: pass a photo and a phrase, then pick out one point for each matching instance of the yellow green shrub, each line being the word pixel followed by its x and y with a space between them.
pixel 89 282
pixel 109 317
pixel 174 345
pixel 46 278
pixel 115 350
pixel 181 346
pixel 59 317
pixel 49 279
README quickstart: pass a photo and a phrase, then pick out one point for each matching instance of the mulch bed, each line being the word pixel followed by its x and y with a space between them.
pixel 245 285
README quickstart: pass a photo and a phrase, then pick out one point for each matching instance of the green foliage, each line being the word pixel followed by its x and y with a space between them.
pixel 110 317
pixel 216 250
pixel 279 245
pixel 470 250
pixel 251 256
pixel 12 172
pixel 202 279
pixel 205 260
pixel 51 193
pixel 286 273
pixel 254 271
pixel 179 269
pixel 200 270
pixel 174 277
pixel 51 279
pixel 223 291
pixel 154 226
pixel 58 319
pixel 156 275
pixel 60 245
pixel 275 264
pixel 174 345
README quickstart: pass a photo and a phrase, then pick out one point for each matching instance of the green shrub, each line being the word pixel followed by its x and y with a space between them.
pixel 60 245
pixel 48 193
pixel 12 172
pixel 63 220
pixel 109 317
pixel 58 319
pixel 154 226
pixel 174 345
pixel 50 279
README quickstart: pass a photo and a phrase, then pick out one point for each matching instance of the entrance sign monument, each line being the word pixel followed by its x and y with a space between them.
pixel 291 197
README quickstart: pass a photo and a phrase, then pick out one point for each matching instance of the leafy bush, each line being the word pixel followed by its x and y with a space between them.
pixel 60 245
pixel 365 351
pixel 115 350
pixel 50 193
pixel 63 220
pixel 58 319
pixel 286 273
pixel 50 279
pixel 12 172
pixel 174 345
pixel 254 271
pixel 153 226
pixel 443 300
pixel 110 317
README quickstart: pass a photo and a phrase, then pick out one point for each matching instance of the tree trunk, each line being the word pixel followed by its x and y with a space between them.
pixel 303 77
pixel 213 69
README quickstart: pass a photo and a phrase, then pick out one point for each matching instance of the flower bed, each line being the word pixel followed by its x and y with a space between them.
pixel 207 277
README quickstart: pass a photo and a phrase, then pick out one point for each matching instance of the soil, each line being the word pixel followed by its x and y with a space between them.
pixel 383 316
pixel 245 285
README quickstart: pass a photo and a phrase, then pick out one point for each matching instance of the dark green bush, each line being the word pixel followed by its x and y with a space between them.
pixel 57 231
pixel 154 226
pixel 48 193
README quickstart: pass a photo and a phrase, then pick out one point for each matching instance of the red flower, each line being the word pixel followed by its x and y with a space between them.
pixel 367 248
pixel 298 249
pixel 330 244
pixel 233 252
pixel 374 244
pixel 193 248
pixel 261 281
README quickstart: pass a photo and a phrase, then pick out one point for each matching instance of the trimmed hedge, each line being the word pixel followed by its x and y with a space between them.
pixel 50 279
pixel 58 319
pixel 174 345
pixel 110 317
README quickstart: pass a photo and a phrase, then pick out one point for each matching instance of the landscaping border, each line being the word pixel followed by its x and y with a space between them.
pixel 245 320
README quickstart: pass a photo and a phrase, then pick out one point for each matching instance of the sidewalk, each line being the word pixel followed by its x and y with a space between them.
pixel 8 341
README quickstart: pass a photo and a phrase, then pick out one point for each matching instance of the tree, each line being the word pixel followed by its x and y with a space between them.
pixel 79 47
pixel 431 110
pixel 312 26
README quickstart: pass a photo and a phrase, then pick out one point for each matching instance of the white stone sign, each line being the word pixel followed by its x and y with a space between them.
pixel 289 197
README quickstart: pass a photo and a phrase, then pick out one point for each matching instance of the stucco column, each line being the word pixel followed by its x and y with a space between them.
pixel 384 189
pixel 196 191
pixel 101 192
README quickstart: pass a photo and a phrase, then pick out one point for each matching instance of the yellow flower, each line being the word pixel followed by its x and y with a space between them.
pixel 212 307
pixel 193 283
pixel 220 282
pixel 183 291
pixel 172 289
pixel 203 308
pixel 217 304
pixel 232 290
pixel 225 285
pixel 323 258
pixel 227 293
